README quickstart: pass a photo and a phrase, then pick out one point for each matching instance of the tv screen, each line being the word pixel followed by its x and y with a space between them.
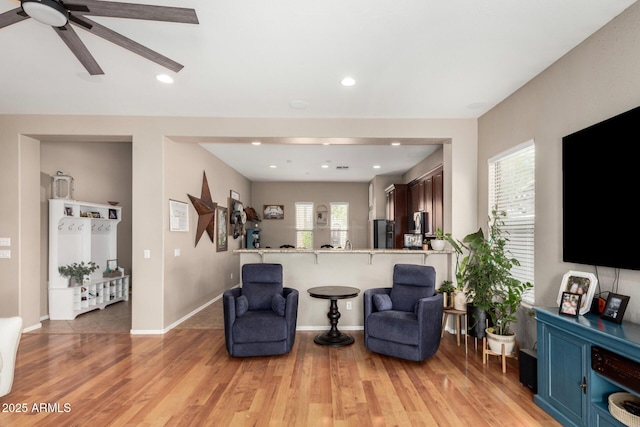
pixel 600 173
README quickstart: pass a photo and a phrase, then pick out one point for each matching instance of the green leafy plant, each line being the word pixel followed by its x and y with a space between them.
pixel 485 272
pixel 78 271
pixel 447 286
pixel 439 234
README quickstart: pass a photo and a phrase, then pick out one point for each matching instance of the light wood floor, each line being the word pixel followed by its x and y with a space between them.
pixel 186 378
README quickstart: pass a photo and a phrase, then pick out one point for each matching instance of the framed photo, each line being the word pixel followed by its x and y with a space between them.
pixel 570 304
pixel 113 214
pixel 178 216
pixel 95 215
pixel 273 212
pixel 578 282
pixel 234 195
pixel 221 238
pixel 68 211
pixel 615 307
pixel 112 264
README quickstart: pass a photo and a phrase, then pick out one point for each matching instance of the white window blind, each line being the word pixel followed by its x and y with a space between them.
pixel 339 224
pixel 512 190
pixel 304 225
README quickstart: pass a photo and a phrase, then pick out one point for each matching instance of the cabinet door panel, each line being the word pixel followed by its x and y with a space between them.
pixel 567 361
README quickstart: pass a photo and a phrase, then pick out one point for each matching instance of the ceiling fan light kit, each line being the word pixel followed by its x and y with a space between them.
pixel 61 14
pixel 48 12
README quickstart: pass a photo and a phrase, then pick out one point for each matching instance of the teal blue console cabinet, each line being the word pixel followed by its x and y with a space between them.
pixel 568 388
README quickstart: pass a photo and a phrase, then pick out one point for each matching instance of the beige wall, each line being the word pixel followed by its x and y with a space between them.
pixel 101 172
pixel 595 81
pixel 200 273
pixel 152 160
pixel 279 232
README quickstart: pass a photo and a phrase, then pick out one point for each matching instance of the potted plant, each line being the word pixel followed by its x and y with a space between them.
pixel 77 272
pixel 485 271
pixel 447 290
pixel 425 245
pixel 438 243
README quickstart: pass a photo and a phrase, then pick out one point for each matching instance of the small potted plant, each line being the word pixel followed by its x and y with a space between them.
pixel 77 273
pixel 447 290
pixel 425 245
pixel 438 243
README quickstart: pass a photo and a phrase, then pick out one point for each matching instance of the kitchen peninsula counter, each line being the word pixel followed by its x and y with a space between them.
pixel 360 268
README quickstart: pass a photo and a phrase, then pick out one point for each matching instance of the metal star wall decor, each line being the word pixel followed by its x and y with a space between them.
pixel 206 209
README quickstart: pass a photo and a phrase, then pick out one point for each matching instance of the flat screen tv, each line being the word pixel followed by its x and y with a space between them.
pixel 600 176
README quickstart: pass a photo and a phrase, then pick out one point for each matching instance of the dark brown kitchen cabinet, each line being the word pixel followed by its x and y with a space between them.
pixel 396 206
pixel 426 194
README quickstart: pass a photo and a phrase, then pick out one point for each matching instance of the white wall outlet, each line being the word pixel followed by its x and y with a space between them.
pixel 5 253
pixel 176 252
pixel 147 253
pixel 5 241
pixel 348 305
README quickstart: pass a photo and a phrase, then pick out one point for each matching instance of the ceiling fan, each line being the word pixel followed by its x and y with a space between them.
pixel 61 14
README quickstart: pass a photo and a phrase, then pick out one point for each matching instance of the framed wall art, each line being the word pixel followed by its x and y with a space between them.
pixel 578 282
pixel 178 216
pixel 221 238
pixel 273 211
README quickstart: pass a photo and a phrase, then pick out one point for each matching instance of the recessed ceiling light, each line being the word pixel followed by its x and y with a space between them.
pixel 326 143
pixel 273 166
pixel 376 166
pixel 395 143
pixel 298 105
pixel 348 81
pixel 164 78
pixel 325 166
pixel 256 143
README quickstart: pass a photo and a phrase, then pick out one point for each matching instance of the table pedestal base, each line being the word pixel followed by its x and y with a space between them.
pixel 339 340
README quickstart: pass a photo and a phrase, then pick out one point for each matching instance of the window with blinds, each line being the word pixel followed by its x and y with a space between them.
pixel 304 225
pixel 339 220
pixel 512 190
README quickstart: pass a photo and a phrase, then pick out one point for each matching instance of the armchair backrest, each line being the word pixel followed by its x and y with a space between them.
pixel 260 282
pixel 410 283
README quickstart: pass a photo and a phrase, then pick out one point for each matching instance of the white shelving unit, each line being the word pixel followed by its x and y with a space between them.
pixel 83 231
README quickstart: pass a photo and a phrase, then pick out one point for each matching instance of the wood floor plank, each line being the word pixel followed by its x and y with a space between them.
pixel 186 378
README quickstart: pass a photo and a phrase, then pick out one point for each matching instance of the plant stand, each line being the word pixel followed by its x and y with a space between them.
pixel 486 353
pixel 458 314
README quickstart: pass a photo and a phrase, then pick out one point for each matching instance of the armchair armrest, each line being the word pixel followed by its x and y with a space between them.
pixel 429 313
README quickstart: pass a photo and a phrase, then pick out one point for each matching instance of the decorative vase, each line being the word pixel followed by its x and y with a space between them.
pixel 460 300
pixel 445 299
pixel 437 245
pixel 496 341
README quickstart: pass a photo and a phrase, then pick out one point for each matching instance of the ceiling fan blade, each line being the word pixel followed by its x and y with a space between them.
pixel 76 7
pixel 71 39
pixel 136 11
pixel 11 17
pixel 80 21
pixel 135 47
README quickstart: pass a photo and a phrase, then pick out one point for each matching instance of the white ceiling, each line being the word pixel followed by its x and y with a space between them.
pixel 253 58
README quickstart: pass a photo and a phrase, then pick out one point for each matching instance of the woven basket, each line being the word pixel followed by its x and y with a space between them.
pixel 618 411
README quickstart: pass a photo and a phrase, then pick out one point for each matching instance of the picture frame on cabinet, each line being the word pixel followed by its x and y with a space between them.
pixel 615 307
pixel 221 238
pixel 113 214
pixel 95 215
pixel 579 282
pixel 68 211
pixel 570 304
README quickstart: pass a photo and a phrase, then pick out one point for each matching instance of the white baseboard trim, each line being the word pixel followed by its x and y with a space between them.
pixel 176 323
pixel 32 327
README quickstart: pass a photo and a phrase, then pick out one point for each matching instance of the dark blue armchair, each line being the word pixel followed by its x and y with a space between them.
pixel 405 320
pixel 260 317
